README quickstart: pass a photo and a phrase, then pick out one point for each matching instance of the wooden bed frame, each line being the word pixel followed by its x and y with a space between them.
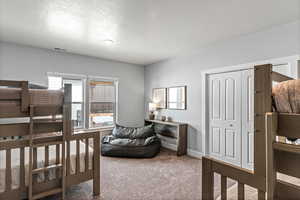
pixel 270 156
pixel 32 138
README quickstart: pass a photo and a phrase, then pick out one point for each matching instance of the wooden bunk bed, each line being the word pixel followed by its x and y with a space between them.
pixel 48 157
pixel 270 155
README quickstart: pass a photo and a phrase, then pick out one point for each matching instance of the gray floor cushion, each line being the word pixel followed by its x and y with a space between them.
pixel 131 142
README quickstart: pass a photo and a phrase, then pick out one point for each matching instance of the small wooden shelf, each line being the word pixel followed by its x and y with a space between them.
pixel 178 135
pixel 171 140
pixel 286 147
pixel 168 135
pixel 166 122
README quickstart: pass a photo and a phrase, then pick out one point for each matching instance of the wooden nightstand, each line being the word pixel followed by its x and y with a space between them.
pixel 172 132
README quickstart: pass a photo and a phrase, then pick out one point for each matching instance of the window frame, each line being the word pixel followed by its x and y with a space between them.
pixel 115 82
pixel 75 77
pixel 86 104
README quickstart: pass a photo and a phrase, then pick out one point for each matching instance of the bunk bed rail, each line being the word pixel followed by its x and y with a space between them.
pixel 282 157
pixel 81 164
pixel 22 129
pixel 90 139
pixel 24 97
pixel 277 77
pixel 244 177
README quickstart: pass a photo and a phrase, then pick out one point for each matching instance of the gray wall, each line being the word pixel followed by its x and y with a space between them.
pixel 276 42
pixel 27 63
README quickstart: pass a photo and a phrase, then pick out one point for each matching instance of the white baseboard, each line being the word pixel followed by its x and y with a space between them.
pixel 194 153
pixel 190 152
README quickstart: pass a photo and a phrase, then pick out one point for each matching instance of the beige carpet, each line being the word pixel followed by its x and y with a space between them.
pixel 165 177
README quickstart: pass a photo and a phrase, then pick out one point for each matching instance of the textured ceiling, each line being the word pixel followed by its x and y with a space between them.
pixel 137 31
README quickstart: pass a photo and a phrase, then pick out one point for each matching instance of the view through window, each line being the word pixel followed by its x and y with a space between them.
pixel 102 103
pixel 99 101
pixel 77 102
pixel 56 83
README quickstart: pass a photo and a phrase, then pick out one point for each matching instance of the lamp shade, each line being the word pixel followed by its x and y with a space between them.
pixel 152 106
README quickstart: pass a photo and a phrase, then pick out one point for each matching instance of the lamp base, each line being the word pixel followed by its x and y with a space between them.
pixel 151 116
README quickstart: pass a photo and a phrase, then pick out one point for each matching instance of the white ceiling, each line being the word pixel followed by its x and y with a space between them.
pixel 137 31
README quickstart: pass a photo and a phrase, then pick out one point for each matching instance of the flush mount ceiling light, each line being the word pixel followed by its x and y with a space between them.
pixel 59 49
pixel 108 41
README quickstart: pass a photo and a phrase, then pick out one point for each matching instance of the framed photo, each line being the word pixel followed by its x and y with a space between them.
pixel 159 96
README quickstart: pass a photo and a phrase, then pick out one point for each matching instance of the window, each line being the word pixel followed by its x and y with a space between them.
pixel 102 103
pixel 56 83
pixel 77 101
pixel 93 100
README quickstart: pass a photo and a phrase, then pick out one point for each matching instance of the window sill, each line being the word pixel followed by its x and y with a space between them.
pixel 104 128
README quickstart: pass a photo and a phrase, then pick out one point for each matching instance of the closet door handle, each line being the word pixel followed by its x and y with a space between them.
pixel 231 125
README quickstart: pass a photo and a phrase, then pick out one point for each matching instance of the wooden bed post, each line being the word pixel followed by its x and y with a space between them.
pixel 207 179
pixel 30 189
pixel 67 124
pixel 24 96
pixel 67 117
pixel 96 163
pixel 68 114
pixel 262 105
pixel 271 129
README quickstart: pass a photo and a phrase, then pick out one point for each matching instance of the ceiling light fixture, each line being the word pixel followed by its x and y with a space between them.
pixel 108 41
pixel 59 49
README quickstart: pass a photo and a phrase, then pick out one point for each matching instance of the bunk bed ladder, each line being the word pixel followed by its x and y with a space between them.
pixel 34 170
pixel 282 157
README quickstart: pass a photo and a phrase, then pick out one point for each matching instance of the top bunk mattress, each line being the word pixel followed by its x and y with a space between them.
pixel 286 96
pixel 36 96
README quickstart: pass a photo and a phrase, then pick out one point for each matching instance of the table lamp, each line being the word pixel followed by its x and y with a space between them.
pixel 152 108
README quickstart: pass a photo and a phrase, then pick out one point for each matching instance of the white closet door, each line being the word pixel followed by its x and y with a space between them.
pixel 215 115
pixel 247 119
pixel 225 116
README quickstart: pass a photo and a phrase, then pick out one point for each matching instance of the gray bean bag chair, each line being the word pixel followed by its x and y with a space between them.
pixel 131 142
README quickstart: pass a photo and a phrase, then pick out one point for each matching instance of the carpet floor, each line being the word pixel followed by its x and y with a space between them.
pixel 165 177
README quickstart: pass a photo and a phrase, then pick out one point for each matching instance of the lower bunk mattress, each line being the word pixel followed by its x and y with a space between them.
pixel 15 163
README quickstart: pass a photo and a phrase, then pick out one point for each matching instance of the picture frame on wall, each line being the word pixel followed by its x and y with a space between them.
pixel 177 98
pixel 159 96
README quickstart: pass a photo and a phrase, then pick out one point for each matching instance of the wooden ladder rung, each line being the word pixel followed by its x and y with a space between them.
pixel 286 147
pixel 46 144
pixel 47 193
pixel 43 169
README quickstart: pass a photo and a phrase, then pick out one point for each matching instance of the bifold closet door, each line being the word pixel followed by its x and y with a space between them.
pixel 225 116
pixel 248 118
